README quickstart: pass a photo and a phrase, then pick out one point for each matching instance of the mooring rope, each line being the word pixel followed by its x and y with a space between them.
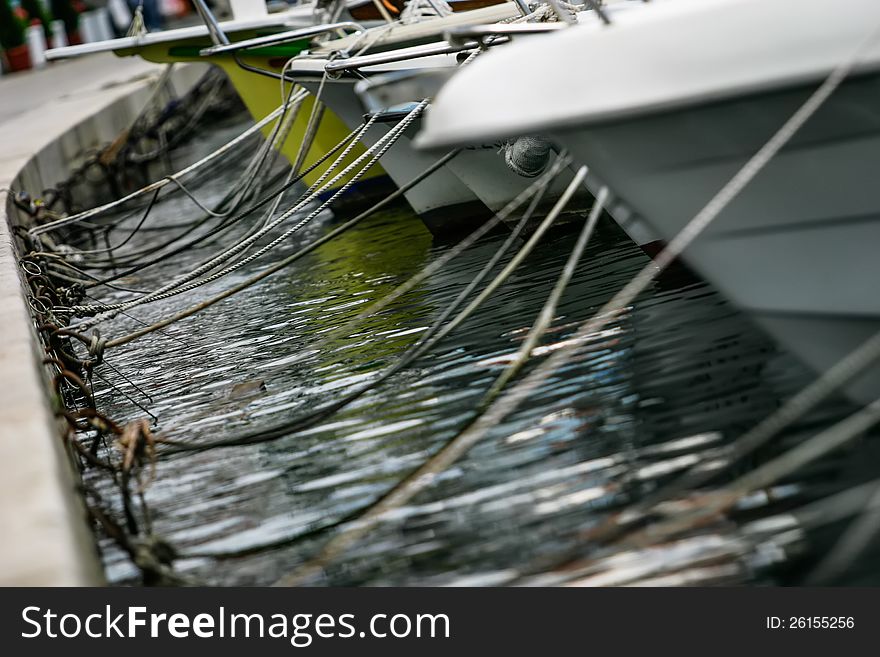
pixel 228 252
pixel 256 278
pixel 548 312
pixel 855 540
pixel 311 194
pixel 454 449
pixel 761 477
pixel 832 380
pixel 268 198
pixel 233 199
pixel 177 287
pixel 439 330
pixel 101 209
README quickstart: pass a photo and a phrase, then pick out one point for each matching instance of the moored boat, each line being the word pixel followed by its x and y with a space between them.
pixel 260 93
pixel 480 180
pixel 679 104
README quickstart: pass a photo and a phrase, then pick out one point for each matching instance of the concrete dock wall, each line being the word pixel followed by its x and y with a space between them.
pixel 47 121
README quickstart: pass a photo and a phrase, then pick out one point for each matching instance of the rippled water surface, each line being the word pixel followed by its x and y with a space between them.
pixel 680 363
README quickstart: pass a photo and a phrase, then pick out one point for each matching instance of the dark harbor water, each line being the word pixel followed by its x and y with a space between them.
pixel 679 364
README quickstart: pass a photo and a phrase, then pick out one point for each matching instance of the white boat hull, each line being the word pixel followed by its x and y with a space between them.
pixel 444 191
pixel 458 195
pixel 665 106
pixel 797 249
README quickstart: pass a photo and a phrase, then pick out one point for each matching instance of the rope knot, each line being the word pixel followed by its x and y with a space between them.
pixel 96 346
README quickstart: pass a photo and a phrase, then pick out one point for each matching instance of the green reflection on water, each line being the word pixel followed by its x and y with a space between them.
pixel 366 263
